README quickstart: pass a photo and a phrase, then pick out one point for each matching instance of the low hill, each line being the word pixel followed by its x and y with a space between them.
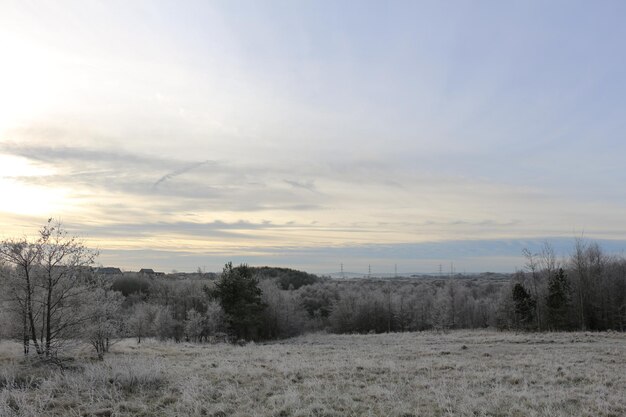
pixel 287 278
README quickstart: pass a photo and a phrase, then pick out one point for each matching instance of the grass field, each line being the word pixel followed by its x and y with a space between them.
pixel 460 373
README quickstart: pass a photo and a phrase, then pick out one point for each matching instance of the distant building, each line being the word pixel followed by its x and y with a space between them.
pixel 146 271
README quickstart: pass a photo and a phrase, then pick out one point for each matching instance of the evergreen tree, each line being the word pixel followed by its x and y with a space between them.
pixel 239 295
pixel 524 306
pixel 558 300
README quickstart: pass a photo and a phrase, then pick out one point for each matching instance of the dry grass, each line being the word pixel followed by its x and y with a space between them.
pixel 465 373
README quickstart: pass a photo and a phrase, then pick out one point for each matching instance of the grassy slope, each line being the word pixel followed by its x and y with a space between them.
pixel 464 373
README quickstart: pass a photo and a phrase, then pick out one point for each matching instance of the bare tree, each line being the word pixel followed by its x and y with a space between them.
pixel 389 311
pixel 47 282
pixel 533 265
pixel 195 326
pixel 547 259
pixel 64 261
pixel 22 257
pixel 216 319
pixel 164 324
pixel 140 323
pixel 104 320
pixel 580 266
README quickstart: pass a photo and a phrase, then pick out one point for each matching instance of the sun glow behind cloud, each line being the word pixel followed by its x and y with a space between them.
pixel 125 202
pixel 19 198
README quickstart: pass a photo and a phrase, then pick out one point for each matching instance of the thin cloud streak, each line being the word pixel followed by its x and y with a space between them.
pixel 307 185
pixel 178 172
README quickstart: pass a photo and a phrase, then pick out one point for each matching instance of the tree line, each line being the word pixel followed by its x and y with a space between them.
pixel 587 291
pixel 52 297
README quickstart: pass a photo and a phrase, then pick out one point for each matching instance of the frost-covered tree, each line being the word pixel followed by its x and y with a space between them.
pixel 195 326
pixel 140 322
pixel 104 326
pixel 165 326
pixel 48 280
pixel 284 316
pixel 215 319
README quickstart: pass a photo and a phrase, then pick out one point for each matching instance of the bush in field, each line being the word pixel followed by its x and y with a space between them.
pixel 201 327
pixel 105 322
pixel 141 321
pixel 195 326
pixel 215 319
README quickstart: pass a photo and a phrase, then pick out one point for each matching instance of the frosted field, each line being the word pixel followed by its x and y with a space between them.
pixel 461 373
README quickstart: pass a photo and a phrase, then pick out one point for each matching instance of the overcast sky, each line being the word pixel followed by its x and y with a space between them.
pixel 178 135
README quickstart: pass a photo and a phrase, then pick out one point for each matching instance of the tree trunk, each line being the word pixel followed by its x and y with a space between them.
pixel 29 312
pixel 48 318
pixel 33 332
pixel 25 337
pixel 581 302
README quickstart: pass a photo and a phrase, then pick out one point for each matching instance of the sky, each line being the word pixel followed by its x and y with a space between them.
pixel 307 134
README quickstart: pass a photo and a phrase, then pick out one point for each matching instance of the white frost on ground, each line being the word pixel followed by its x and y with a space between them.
pixel 460 373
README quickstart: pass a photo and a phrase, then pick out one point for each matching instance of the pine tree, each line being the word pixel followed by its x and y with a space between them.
pixel 240 297
pixel 558 300
pixel 524 307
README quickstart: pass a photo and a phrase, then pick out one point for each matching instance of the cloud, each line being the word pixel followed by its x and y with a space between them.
pixel 496 255
pixel 207 229
pixel 208 185
pixel 178 172
pixel 80 155
pixel 116 202
pixel 307 185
